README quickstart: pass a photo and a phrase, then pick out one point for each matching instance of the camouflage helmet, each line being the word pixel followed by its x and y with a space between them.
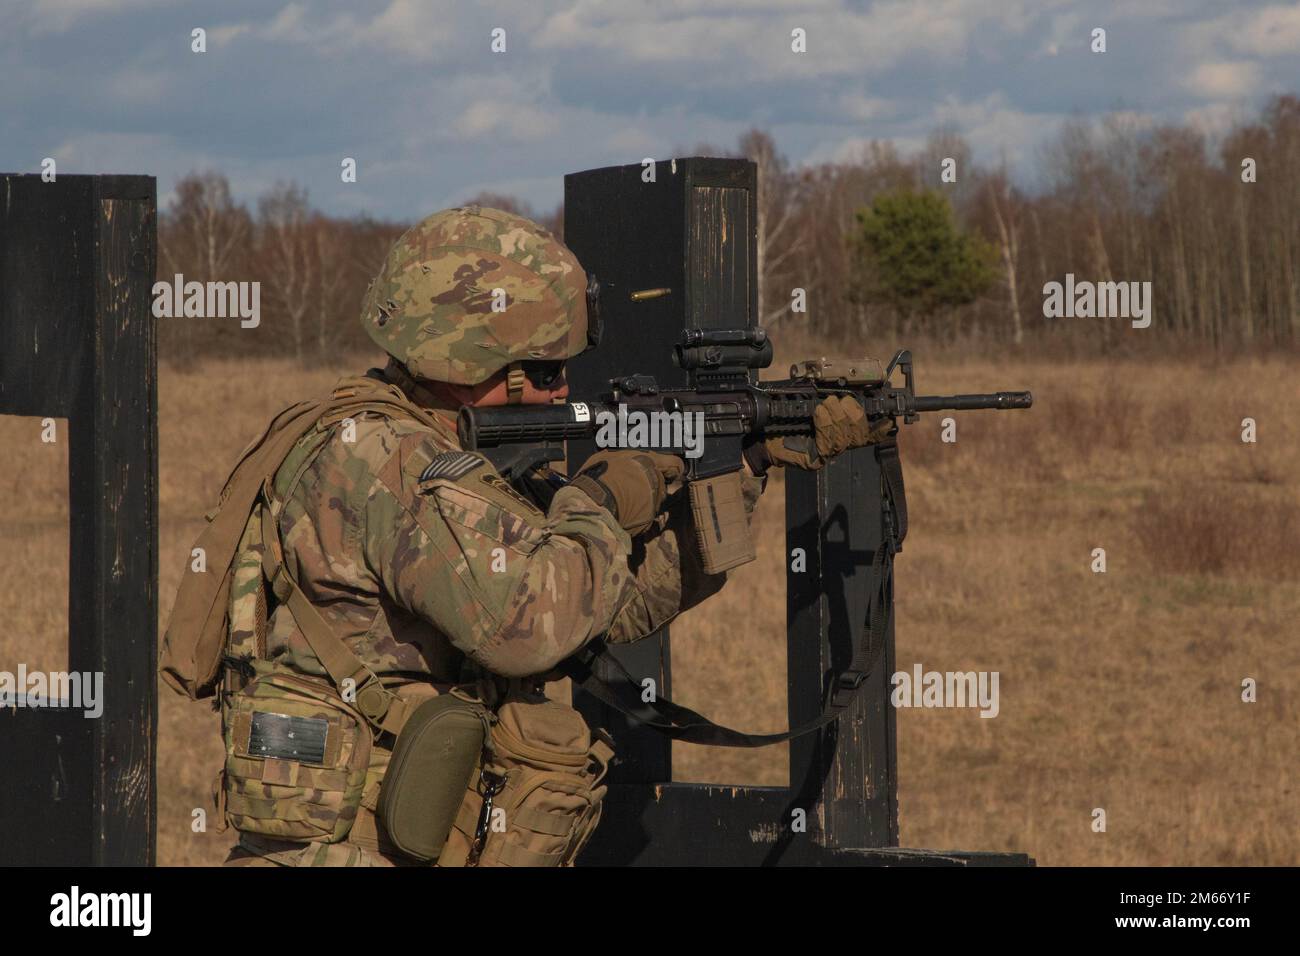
pixel 432 305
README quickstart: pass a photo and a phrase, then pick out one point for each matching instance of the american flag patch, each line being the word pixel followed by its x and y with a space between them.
pixel 451 465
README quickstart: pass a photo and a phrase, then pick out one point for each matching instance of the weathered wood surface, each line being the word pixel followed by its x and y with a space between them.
pixel 681 824
pixel 77 340
pixel 690 231
pixel 694 231
pixel 847 773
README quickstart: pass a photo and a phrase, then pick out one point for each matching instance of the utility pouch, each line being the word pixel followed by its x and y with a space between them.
pixel 296 757
pixel 537 798
pixel 433 760
pixel 721 525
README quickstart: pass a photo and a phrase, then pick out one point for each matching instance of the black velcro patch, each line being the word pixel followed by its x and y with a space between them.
pixel 451 465
pixel 288 738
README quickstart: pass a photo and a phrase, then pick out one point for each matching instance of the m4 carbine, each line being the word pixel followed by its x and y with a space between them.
pixel 734 412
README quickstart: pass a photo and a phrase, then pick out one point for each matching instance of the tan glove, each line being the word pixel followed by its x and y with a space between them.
pixel 631 483
pixel 839 424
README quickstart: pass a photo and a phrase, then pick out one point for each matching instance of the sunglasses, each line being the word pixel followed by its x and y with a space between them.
pixel 543 374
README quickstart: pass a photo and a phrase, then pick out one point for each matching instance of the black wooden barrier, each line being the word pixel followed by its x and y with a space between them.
pixel 77 263
pixel 693 231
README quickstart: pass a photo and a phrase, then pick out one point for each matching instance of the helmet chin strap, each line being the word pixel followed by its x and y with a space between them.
pixel 515 384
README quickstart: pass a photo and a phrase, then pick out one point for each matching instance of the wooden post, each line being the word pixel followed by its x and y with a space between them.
pixel 693 231
pixel 690 231
pixel 845 775
pixel 77 341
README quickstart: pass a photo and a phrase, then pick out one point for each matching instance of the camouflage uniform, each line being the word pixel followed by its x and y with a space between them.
pixel 428 565
pixel 418 574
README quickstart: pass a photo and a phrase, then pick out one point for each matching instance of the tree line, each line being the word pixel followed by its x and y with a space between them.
pixel 875 248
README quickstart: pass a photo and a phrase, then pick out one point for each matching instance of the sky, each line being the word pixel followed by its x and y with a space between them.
pixel 414 92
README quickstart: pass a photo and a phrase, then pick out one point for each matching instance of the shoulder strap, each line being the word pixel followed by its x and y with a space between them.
pixel 380 706
pixel 191 653
pixel 600 674
pixel 361 393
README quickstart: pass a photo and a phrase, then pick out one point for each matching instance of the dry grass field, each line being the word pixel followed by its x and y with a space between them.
pixel 1119 690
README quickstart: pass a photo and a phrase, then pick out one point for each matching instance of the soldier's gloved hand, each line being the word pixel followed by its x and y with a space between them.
pixel 630 482
pixel 839 423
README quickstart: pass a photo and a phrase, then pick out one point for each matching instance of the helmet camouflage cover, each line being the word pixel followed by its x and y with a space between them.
pixel 471 290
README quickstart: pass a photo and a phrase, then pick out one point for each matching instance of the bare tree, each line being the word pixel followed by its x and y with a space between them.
pixel 288 258
pixel 209 233
pixel 329 247
pixel 1005 207
pixel 779 200
pixel 1118 200
pixel 943 144
pixel 204 235
pixel 554 221
pixel 510 204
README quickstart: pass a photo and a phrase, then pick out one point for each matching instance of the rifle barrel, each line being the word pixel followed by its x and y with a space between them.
pixel 942 403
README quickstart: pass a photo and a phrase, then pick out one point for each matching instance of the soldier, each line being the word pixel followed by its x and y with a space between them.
pixel 378 565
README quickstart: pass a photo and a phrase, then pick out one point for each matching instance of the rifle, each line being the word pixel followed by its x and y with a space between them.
pixel 734 413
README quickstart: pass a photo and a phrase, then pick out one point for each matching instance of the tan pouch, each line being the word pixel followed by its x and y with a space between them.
pixel 536 800
pixel 435 756
pixel 296 757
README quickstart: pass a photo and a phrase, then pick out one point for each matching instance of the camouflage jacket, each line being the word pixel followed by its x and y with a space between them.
pixel 421 556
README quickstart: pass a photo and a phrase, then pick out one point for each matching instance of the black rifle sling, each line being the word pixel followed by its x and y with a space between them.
pixel 600 674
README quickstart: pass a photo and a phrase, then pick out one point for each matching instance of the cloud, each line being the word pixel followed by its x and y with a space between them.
pixel 1224 80
pixel 289 25
pixel 854 149
pixel 1272 31
pixel 992 125
pixel 1215 119
pixel 424 30
pixel 411 89
pixel 420 30
pixel 1241 36
pixel 58 16
pixel 225 35
pixel 861 107
pixel 1065 31
pixel 164 156
pixel 122 153
pixel 755 44
pixel 994 128
pixel 503 121
pixel 141 87
pixel 633 141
